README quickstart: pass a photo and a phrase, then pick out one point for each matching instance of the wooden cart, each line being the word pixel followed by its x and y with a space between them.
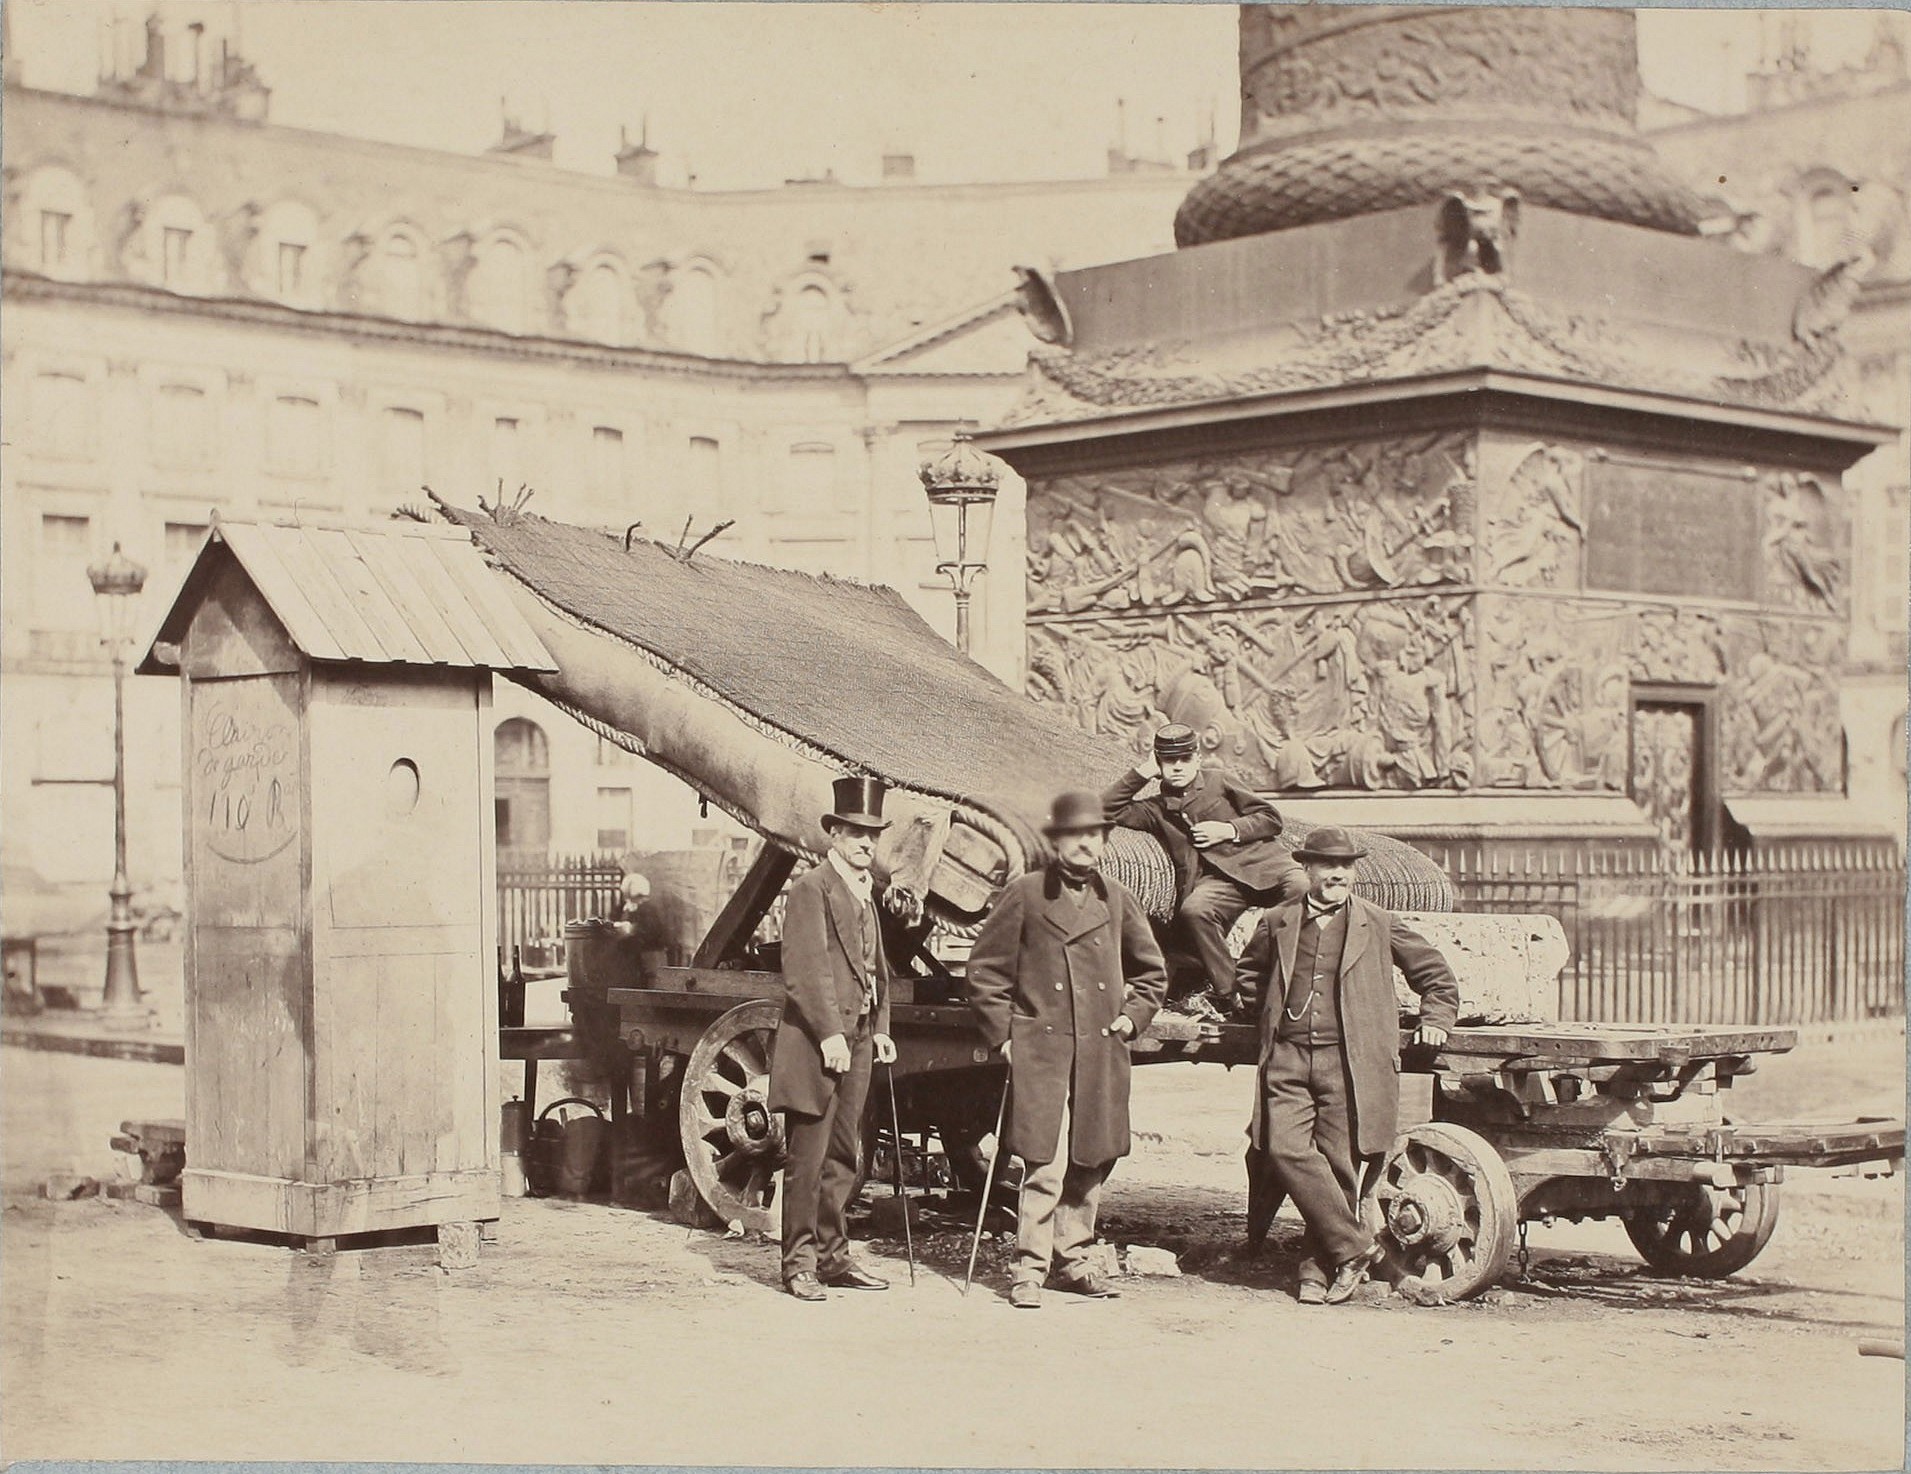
pixel 1534 1122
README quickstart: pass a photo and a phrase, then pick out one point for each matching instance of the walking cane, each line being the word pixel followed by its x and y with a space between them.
pixel 902 1192
pixel 988 1184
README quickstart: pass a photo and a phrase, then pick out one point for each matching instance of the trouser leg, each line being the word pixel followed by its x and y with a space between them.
pixel 1075 1216
pixel 1206 912
pixel 838 1175
pixel 1293 1080
pixel 806 1142
pixel 1035 1209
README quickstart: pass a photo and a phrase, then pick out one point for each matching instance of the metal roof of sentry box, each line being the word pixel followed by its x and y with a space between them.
pixel 403 593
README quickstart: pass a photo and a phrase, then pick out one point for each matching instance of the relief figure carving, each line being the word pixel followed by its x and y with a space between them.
pixel 1803 565
pixel 1539 536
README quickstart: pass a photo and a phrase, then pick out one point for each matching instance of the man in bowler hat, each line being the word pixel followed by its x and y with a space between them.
pixel 1065 973
pixel 1220 838
pixel 835 1023
pixel 1329 1082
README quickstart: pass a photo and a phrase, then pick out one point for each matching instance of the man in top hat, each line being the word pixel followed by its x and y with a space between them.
pixel 1065 973
pixel 1329 1086
pixel 1220 838
pixel 835 1023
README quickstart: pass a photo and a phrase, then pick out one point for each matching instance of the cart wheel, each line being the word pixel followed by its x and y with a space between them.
pixel 1710 1233
pixel 732 1141
pixel 1450 1211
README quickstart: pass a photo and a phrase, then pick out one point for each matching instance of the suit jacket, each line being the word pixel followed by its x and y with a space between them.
pixel 1377 942
pixel 1052 976
pixel 822 987
pixel 1252 859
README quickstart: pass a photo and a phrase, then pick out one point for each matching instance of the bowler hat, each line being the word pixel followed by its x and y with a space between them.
pixel 1074 812
pixel 1330 844
pixel 859 803
pixel 1175 740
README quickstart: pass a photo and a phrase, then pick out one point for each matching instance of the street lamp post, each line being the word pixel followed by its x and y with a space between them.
pixel 117 581
pixel 961 484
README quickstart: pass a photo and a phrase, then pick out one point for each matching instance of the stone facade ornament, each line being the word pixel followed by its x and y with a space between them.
pixel 1476 231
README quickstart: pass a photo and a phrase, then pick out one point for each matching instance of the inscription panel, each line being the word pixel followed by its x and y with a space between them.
pixel 1658 530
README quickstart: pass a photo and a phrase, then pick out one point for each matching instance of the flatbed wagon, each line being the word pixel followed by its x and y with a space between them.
pixel 1528 1122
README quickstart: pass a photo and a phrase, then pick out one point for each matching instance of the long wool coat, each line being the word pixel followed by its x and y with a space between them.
pixel 1051 976
pixel 1377 942
pixel 822 987
pixel 1253 860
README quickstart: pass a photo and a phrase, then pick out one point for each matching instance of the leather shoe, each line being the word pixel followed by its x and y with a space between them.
pixel 1313 1283
pixel 1088 1283
pixel 1025 1295
pixel 853 1278
pixel 805 1287
pixel 1350 1275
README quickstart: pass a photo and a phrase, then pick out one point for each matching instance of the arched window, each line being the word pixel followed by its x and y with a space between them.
pixel 522 785
pixel 398 272
pixel 813 312
pixel 599 298
pixel 495 292
pixel 691 309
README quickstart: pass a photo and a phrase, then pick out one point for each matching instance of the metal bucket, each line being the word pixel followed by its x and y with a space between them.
pixel 565 1155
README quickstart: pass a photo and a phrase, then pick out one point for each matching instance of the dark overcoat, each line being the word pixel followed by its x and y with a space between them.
pixel 822 987
pixel 1051 975
pixel 1377 942
pixel 1251 860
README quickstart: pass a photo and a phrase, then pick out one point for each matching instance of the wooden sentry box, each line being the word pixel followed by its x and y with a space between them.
pixel 341 1001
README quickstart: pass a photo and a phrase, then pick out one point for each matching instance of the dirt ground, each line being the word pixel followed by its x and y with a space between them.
pixel 592 1334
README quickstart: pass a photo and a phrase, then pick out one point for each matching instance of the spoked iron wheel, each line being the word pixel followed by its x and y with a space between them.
pixel 732 1141
pixel 1450 1211
pixel 1709 1232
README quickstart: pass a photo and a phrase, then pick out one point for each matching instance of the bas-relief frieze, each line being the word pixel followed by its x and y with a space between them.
pixel 1557 680
pixel 1806 540
pixel 1371 695
pixel 1330 68
pixel 1372 516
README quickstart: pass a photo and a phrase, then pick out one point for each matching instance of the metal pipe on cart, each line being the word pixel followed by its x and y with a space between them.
pixel 988 1183
pixel 902 1190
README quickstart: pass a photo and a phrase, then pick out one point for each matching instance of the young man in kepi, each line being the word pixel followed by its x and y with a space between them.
pixel 1065 973
pixel 1220 838
pixel 1328 1094
pixel 835 1024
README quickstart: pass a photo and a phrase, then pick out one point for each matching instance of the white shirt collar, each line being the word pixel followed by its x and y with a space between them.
pixel 860 882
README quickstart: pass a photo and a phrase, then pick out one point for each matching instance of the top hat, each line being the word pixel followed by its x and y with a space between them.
pixel 1330 844
pixel 1175 740
pixel 859 803
pixel 1073 812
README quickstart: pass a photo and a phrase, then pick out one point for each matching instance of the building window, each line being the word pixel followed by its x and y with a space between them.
pixel 401 449
pixel 812 478
pixel 182 541
pixel 507 453
pixel 610 755
pixel 522 785
pixel 62 415
pixel 706 472
pixel 692 310
pixel 601 304
pixel 64 596
pixel 401 285
pixel 182 426
pixel 812 323
pixel 607 482
pixel 613 818
pixel 495 293
pixel 292 436
pixel 55 230
pixel 175 262
pixel 291 269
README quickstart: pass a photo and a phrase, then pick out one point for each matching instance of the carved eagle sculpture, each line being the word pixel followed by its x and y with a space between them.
pixel 1476 232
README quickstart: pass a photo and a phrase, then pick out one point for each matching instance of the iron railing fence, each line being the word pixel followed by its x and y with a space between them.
pixel 1796 934
pixel 539 893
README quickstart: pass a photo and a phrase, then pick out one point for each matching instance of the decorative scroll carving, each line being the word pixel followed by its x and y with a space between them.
pixel 1326 695
pixel 1535 537
pixel 1333 67
pixel 1380 515
pixel 1804 542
